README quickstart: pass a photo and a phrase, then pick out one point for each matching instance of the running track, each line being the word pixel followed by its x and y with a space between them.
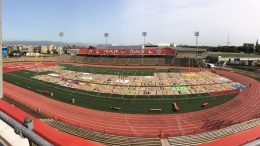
pixel 242 108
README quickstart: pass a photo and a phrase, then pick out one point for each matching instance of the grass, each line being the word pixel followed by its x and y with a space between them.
pixel 111 71
pixel 24 108
pixel 232 55
pixel 102 101
pixel 246 68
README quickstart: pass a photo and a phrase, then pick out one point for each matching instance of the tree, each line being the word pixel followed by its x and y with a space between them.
pixel 55 51
pixel 91 47
pixel 257 49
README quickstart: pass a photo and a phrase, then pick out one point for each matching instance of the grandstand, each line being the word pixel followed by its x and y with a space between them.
pixel 107 61
pixel 149 61
pixel 134 61
pixel 213 135
pixel 239 106
pixel 107 139
pixel 128 52
pixel 116 61
pixel 121 61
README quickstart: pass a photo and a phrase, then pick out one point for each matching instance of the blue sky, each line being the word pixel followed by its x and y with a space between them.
pixel 165 20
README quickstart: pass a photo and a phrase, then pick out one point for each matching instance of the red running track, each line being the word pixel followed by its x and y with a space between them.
pixel 54 136
pixel 241 108
pixel 16 66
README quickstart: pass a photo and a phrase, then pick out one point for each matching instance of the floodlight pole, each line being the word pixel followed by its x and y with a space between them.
pixel 228 41
pixel 61 34
pixel 1 55
pixel 106 35
pixel 144 34
pixel 197 34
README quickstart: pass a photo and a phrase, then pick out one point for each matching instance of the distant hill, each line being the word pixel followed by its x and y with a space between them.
pixel 37 43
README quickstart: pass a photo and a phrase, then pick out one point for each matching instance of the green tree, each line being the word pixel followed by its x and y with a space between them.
pixel 257 49
pixel 91 47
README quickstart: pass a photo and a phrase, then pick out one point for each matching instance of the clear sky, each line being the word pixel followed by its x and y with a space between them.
pixel 165 20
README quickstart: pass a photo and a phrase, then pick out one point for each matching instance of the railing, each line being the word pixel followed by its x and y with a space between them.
pixel 24 131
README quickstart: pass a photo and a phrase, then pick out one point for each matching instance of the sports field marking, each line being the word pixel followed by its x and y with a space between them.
pixel 131 127
pixel 98 94
pixel 110 72
pixel 135 73
pixel 180 125
pixel 142 73
pixel 122 72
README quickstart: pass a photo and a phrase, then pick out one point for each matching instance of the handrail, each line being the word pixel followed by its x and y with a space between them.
pixel 23 131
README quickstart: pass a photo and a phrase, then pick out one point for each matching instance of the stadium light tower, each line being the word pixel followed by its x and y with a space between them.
pixel 106 35
pixel 61 34
pixel 197 34
pixel 1 56
pixel 228 41
pixel 144 34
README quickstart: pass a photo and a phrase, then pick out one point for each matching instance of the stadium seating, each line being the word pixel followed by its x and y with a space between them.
pixel 149 61
pixel 107 139
pixel 128 52
pixel 95 60
pixel 83 51
pixel 168 61
pixel 86 60
pixel 167 51
pixel 210 136
pixel 184 62
pixel 121 61
pixel 80 59
pixel 107 61
pixel 123 52
pixel 161 61
pixel 151 52
pixel 135 61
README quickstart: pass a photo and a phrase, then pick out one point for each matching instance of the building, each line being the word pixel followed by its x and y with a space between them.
pixel 191 53
pixel 44 49
pixel 72 52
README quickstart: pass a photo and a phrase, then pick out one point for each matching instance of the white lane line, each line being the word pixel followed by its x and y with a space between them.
pixel 131 127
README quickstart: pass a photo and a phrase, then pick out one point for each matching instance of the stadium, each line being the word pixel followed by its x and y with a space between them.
pixel 147 96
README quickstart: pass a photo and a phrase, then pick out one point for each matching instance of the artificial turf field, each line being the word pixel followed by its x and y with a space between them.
pixel 115 71
pixel 102 101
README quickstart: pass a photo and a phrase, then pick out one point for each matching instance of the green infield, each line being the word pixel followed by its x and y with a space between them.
pixel 246 68
pixel 233 55
pixel 113 102
pixel 116 71
pixel 24 108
